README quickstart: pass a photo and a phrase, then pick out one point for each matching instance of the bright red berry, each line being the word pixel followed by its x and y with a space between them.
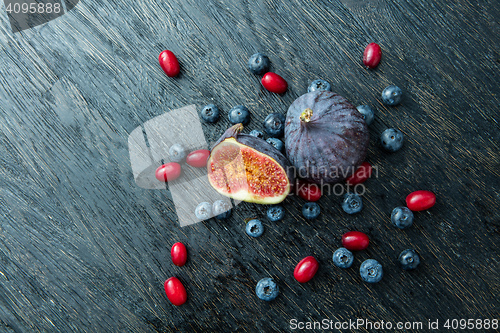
pixel 175 291
pixel 274 83
pixel 179 254
pixel 198 158
pixel 308 191
pixel 168 172
pixel 169 63
pixel 420 200
pixel 372 55
pixel 306 269
pixel 361 174
pixel 355 241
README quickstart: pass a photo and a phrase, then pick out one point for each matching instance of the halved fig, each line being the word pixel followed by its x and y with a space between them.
pixel 247 168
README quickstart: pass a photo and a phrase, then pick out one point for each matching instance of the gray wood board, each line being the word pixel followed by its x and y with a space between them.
pixel 84 249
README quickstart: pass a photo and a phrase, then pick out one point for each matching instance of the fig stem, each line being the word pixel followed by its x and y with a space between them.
pixel 306 115
pixel 238 127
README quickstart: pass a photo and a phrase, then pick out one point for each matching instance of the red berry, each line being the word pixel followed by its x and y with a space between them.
pixel 198 158
pixel 372 55
pixel 169 63
pixel 308 191
pixel 168 172
pixel 306 269
pixel 420 200
pixel 361 174
pixel 175 291
pixel 274 83
pixel 355 241
pixel 179 254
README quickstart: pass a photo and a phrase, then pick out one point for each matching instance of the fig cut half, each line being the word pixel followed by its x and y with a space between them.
pixel 247 168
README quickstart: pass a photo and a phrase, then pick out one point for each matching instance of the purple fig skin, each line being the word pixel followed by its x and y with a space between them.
pixel 260 145
pixel 332 144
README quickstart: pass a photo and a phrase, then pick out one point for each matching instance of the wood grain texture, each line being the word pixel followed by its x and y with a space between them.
pixel 84 249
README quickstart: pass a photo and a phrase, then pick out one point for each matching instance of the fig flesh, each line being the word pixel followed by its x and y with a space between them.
pixel 247 168
pixel 326 138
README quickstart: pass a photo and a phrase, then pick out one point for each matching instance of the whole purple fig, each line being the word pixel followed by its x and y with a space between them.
pixel 326 138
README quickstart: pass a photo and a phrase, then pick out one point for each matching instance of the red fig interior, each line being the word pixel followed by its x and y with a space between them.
pixel 243 173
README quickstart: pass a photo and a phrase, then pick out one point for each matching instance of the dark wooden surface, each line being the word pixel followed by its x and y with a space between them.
pixel 84 249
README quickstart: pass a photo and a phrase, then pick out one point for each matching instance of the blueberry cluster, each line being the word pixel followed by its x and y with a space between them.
pixel 220 209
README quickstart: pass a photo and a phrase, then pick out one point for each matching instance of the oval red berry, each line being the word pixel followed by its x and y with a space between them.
pixel 308 191
pixel 178 254
pixel 198 158
pixel 168 172
pixel 306 269
pixel 169 63
pixel 372 55
pixel 274 83
pixel 175 291
pixel 361 174
pixel 355 241
pixel 420 200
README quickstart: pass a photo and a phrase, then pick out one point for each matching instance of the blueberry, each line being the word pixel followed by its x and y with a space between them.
pixel 409 259
pixel 319 85
pixel 402 217
pixel 257 134
pixel 392 139
pixel 210 113
pixel 274 124
pixel 367 112
pixel 221 209
pixel 310 210
pixel 343 258
pixel 352 203
pixel 203 211
pixel 177 153
pixel 275 213
pixel 254 228
pixel 392 95
pixel 277 143
pixel 267 289
pixel 239 114
pixel 258 63
pixel 371 271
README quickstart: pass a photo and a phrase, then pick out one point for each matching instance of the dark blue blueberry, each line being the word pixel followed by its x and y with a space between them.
pixel 367 112
pixel 254 228
pixel 203 211
pixel 402 217
pixel 210 113
pixel 177 153
pixel 277 143
pixel 371 271
pixel 343 258
pixel 311 210
pixel 409 259
pixel 276 213
pixel 352 203
pixel 257 134
pixel 267 289
pixel 319 85
pixel 392 139
pixel 392 95
pixel 258 63
pixel 221 209
pixel 239 114
pixel 274 124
